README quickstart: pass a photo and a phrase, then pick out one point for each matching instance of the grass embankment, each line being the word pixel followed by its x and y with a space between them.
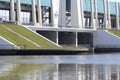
pixel 21 36
pixel 29 40
pixel 115 32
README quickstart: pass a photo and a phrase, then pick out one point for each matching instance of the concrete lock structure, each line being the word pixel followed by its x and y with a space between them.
pixel 68 13
pixel 66 22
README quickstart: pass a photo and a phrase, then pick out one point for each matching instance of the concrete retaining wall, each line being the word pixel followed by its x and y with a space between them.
pixel 105 39
pixel 5 44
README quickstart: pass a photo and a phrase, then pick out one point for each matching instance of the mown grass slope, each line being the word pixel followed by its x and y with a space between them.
pixel 17 40
pixel 115 32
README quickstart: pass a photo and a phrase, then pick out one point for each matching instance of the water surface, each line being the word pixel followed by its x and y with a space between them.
pixel 74 67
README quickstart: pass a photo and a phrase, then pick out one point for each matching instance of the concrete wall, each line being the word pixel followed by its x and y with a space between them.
pixel 49 34
pixel 5 44
pixel 105 39
pixel 85 38
pixel 67 38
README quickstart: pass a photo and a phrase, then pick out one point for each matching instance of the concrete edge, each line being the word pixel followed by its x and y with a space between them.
pixel 29 52
pixel 112 34
pixel 10 42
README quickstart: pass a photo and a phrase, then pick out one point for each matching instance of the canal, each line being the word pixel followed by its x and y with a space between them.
pixel 67 67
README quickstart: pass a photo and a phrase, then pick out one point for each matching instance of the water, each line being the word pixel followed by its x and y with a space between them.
pixel 77 67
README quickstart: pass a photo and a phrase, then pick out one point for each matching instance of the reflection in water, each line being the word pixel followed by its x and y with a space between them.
pixel 59 68
pixel 88 72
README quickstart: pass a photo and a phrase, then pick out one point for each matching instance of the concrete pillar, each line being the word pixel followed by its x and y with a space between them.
pixel 54 13
pixel 76 17
pixel 30 17
pixel 62 13
pixel 33 12
pixel 96 14
pixel 18 12
pixel 92 14
pixel 82 14
pixel 39 12
pixel 89 20
pixel 76 42
pixel 12 10
pixel 119 13
pixel 117 16
pixel 109 17
pixel 57 37
pixel 105 14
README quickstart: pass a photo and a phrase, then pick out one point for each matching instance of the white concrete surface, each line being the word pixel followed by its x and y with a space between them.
pixel 54 14
pixel 12 11
pixel 18 12
pixel 96 14
pixel 33 12
pixel 62 13
pixel 5 44
pixel 117 16
pixel 76 17
pixel 92 15
pixel 105 14
pixel 105 39
pixel 39 12
pixel 109 16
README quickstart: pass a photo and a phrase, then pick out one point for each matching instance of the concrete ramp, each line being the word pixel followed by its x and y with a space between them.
pixel 105 39
pixel 5 44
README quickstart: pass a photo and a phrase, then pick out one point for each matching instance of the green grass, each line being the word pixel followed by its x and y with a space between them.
pixel 26 33
pixel 14 38
pixel 115 32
